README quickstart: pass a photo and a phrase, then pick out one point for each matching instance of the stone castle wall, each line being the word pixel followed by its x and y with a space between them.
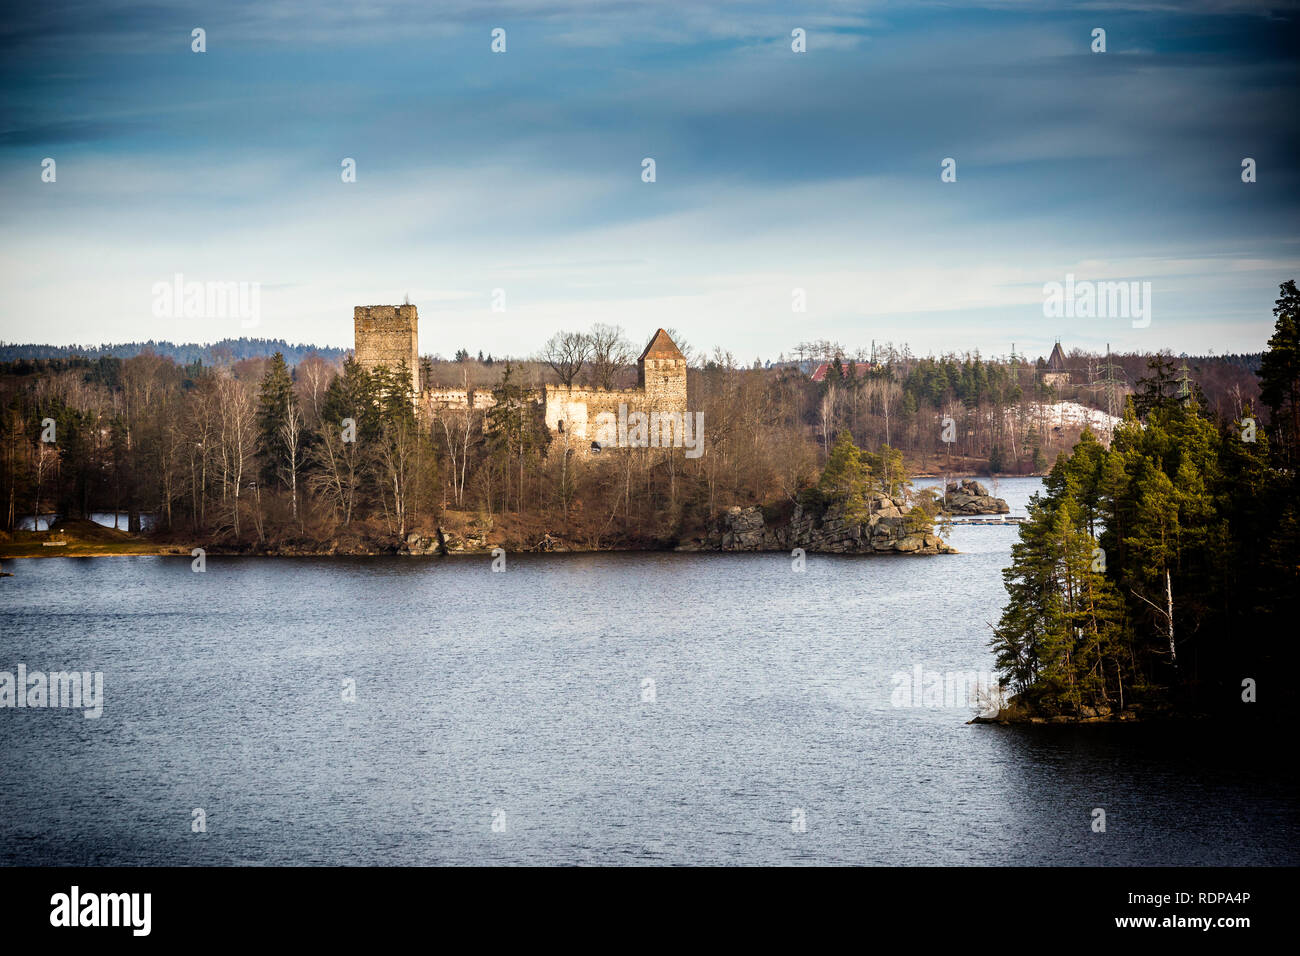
pixel 574 410
pixel 388 335
pixel 452 399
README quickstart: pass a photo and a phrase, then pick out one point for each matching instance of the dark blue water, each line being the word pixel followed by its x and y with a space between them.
pixel 517 697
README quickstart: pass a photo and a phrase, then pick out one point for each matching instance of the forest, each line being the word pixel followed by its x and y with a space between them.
pixel 265 454
pixel 1161 573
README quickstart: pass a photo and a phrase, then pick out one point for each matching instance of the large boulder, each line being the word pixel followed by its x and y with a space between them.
pixel 419 544
pixel 969 497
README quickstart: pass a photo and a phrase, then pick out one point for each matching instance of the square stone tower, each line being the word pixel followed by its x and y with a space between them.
pixel 661 372
pixel 388 335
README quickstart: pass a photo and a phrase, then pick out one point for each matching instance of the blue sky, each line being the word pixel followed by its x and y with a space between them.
pixel 775 170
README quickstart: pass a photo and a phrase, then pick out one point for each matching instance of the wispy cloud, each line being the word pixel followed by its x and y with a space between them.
pixel 775 170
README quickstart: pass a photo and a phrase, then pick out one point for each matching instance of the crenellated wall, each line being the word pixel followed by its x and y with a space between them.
pixel 575 412
pixel 458 398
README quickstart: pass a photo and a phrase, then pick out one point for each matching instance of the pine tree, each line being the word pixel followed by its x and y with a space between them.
pixel 1159 389
pixel 846 479
pixel 1279 373
pixel 345 454
pixel 1030 613
pixel 275 400
pixel 886 469
pixel 1063 641
pixel 514 435
pixel 401 447
pixel 352 395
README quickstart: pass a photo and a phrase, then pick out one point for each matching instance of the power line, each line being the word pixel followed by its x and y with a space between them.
pixel 1184 384
pixel 1111 380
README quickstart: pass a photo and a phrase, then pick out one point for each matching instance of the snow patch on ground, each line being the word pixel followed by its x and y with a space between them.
pixel 1066 414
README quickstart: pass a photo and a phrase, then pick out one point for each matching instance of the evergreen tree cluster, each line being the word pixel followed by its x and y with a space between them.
pixel 1165 570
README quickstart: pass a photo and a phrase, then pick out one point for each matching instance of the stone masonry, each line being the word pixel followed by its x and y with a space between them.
pixel 388 335
pixel 660 395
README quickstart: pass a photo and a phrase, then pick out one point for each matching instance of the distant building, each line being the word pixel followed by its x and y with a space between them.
pixel 1056 373
pixel 388 336
pixel 660 390
pixel 860 370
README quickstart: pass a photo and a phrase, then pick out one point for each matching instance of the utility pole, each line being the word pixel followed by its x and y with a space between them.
pixel 1184 384
pixel 1110 383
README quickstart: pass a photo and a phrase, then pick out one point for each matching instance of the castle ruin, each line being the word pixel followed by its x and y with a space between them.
pixel 387 335
pixel 660 391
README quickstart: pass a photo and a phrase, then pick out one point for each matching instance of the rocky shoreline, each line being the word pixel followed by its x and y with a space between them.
pixel 1016 714
pixel 893 527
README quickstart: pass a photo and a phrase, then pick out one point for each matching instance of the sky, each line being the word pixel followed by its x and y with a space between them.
pixel 775 171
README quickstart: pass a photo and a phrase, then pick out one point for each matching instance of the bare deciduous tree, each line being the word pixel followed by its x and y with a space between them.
pixel 610 353
pixel 565 353
pixel 291 434
pixel 238 438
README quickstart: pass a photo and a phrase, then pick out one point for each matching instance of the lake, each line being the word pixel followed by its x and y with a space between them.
pixel 585 709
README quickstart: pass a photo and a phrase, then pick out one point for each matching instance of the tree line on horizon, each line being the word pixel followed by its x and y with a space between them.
pixel 222 352
pixel 253 452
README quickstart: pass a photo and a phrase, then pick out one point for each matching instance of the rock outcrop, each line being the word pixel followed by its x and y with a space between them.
pixel 969 497
pixel 419 544
pixel 449 542
pixel 893 528
pixel 475 540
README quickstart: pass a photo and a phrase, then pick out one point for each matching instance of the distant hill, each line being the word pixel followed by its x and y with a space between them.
pixel 227 350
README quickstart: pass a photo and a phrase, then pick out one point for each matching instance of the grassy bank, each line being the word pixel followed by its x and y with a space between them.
pixel 79 539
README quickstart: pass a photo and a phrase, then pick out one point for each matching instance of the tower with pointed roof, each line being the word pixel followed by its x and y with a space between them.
pixel 661 371
pixel 1056 373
